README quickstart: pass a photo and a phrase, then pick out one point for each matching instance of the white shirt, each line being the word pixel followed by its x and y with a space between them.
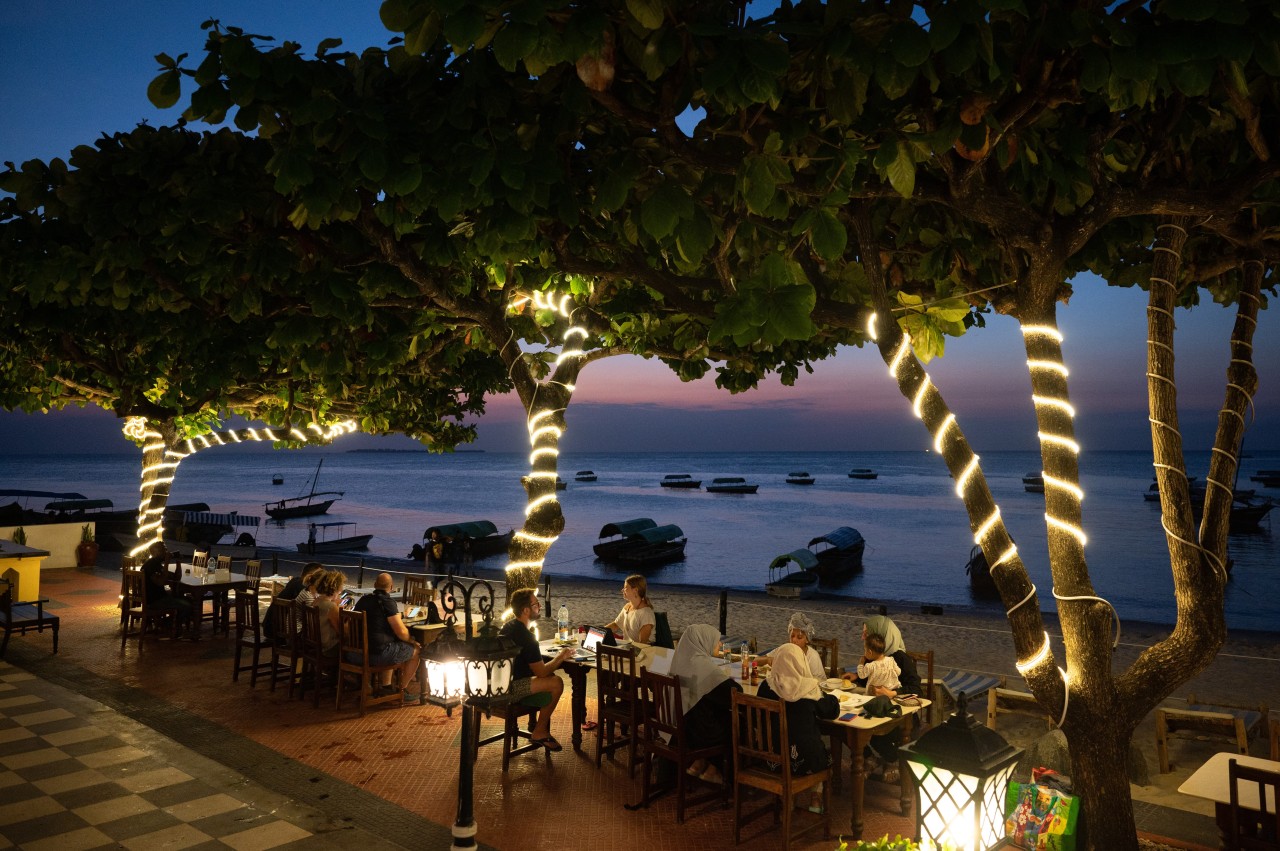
pixel 632 621
pixel 811 656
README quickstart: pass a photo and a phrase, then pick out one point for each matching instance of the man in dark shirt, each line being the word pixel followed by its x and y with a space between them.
pixel 530 674
pixel 389 639
pixel 156 581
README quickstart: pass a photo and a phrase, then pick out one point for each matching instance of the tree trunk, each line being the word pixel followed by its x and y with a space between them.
pixel 159 466
pixel 1099 756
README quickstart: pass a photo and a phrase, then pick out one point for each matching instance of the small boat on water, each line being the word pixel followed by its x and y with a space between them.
pixel 315 502
pixel 322 543
pixel 616 537
pixel 731 484
pixel 680 480
pixel 980 581
pixel 1033 482
pixel 277 479
pixel 561 484
pixel 584 476
pixel 481 537
pixel 862 473
pixel 799 477
pixel 1247 509
pixel 659 545
pixel 841 556
pixel 1267 478
pixel 791 576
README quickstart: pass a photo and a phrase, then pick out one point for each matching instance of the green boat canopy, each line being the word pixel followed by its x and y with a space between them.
pixel 77 504
pixel 470 529
pixel 627 527
pixel 842 538
pixel 804 558
pixel 660 534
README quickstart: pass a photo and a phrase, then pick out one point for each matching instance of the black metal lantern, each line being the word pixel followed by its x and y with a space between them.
pixel 471 667
pixel 962 770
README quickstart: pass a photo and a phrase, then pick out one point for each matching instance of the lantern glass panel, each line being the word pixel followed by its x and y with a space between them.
pixel 445 680
pixel 960 811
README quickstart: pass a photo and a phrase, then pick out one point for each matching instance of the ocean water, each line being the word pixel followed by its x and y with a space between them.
pixel 918 538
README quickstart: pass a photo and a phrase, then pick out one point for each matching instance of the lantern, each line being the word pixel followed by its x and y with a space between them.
pixel 962 770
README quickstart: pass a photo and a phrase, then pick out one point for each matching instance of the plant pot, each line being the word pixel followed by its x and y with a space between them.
pixel 87 554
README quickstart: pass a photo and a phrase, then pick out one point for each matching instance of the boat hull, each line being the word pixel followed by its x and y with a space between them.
pixel 863 474
pixel 732 488
pixel 651 555
pixel 980 581
pixel 336 545
pixel 836 564
pixel 796 480
pixel 681 483
pixel 289 512
pixel 794 586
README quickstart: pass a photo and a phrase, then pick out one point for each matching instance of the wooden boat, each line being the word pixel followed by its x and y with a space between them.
pixel 862 473
pixel 731 484
pixel 841 556
pixel 680 480
pixel 661 544
pixel 1247 509
pixel 791 576
pixel 481 536
pixel 310 505
pixel 1033 482
pixel 584 476
pixel 980 581
pixel 1267 478
pixel 799 477
pixel 277 479
pixel 343 543
pixel 561 484
pixel 615 537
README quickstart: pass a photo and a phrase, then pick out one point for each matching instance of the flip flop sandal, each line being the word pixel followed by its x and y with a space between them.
pixel 588 725
pixel 549 743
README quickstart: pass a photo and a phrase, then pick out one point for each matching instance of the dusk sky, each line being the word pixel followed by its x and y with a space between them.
pixel 70 71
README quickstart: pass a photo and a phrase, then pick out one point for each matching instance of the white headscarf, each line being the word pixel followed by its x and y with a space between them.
pixel 699 671
pixel 790 678
pixel 881 625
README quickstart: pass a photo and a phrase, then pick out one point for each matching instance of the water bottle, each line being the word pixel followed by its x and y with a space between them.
pixel 562 623
pixel 746 664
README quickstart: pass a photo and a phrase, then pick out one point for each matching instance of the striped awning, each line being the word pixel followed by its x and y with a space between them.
pixel 211 518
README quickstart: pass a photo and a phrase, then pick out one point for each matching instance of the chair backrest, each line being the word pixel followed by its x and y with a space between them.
pixel 616 675
pixel 248 618
pixel 284 621
pixel 420 596
pixel 129 563
pixel 223 563
pixel 6 601
pixel 662 631
pixel 199 559
pixel 253 571
pixel 760 734
pixel 1275 739
pixel 829 651
pixel 353 636
pixel 133 589
pixel 663 713
pixel 1252 829
pixel 309 620
pixel 924 657
pixel 414 585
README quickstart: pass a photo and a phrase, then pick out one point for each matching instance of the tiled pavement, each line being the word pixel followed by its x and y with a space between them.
pixel 153 746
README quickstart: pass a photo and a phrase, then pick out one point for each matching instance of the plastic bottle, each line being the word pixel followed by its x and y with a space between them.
pixel 755 674
pixel 746 663
pixel 562 623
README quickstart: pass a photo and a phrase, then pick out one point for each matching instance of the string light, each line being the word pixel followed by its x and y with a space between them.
pixel 1065 442
pixel 537 539
pixel 942 432
pixel 1062 484
pixel 298 435
pixel 1005 556
pixel 1069 528
pixel 965 474
pixel 986 526
pixel 903 349
pixel 536 503
pixel 1044 330
pixel 135 428
pixel 1037 658
pixel 871 327
pixel 1050 402
pixel 1052 366
pixel 537 434
pixel 538 453
pixel 917 405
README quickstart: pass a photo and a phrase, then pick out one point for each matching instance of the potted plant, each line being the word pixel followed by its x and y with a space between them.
pixel 20 536
pixel 87 550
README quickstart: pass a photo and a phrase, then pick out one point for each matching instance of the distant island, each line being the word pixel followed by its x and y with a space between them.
pixel 426 451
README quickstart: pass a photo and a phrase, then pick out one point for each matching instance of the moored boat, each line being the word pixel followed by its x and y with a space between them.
pixel 980 581
pixel 841 556
pixel 660 545
pixel 680 480
pixel 1247 510
pixel 731 484
pixel 862 473
pixel 800 477
pixel 1033 482
pixel 584 476
pixel 1267 478
pixel 482 536
pixel 561 484
pixel 322 543
pixel 277 479
pixel 315 502
pixel 791 575
pixel 616 537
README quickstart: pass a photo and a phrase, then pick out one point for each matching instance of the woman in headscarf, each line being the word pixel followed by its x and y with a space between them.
pixel 800 632
pixel 705 687
pixel 791 681
pixel 886 747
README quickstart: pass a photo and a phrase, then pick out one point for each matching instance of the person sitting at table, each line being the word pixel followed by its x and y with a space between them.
pixel 290 592
pixel 307 595
pixel 328 594
pixel 800 632
pixel 636 621
pixel 530 674
pixel 155 573
pixel 389 639
pixel 884 749
pixel 705 689
pixel 879 670
pixel 806 705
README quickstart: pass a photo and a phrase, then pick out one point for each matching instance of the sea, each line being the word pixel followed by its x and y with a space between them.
pixel 917 535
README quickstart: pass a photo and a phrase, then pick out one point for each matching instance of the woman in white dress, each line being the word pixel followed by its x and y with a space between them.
pixel 636 620
pixel 800 632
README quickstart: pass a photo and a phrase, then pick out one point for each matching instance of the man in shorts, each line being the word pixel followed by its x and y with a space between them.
pixel 531 675
pixel 389 640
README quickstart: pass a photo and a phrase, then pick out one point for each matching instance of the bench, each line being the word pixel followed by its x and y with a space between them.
pixel 26 617
pixel 1007 701
pixel 1236 723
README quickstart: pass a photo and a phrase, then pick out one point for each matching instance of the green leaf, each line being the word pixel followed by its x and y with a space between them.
pixel 512 43
pixel 463 27
pixel 828 236
pixel 902 173
pixel 648 12
pixel 165 89
pixel 1189 10
pixel 658 214
pixel 373 163
pixel 909 44
pixel 420 37
pixel 758 186
pixel 613 191
pixel 695 236
pixel 1193 79
pixel 398 15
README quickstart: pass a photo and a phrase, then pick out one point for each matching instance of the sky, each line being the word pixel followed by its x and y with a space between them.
pixel 71 70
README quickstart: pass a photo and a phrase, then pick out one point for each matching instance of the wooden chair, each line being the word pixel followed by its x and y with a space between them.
pixel 134 608
pixel 222 563
pixel 284 643
pixel 662 631
pixel 1250 829
pixel 25 617
pixel 663 725
pixel 353 635
pixel 760 733
pixel 927 687
pixel 318 670
pixel 829 650
pixel 1236 723
pixel 1275 739
pixel 249 637
pixel 199 558
pixel 253 571
pixel 512 714
pixel 617 704
pixel 129 563
pixel 414 586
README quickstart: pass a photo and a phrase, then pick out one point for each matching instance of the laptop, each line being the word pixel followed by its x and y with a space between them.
pixel 595 636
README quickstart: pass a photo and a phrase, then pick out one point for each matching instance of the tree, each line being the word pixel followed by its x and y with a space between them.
pixel 158 277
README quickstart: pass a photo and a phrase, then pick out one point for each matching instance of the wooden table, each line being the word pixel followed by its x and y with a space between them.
pixel 196 587
pixel 1213 782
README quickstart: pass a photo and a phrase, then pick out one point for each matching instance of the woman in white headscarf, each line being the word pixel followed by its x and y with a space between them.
pixel 791 681
pixel 800 632
pixel 705 687
pixel 885 748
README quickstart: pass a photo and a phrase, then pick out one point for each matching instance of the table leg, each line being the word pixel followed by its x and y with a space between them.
pixel 577 701
pixel 837 758
pixel 906 786
pixel 858 783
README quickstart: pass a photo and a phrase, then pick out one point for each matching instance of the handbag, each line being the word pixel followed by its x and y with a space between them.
pixel 881 707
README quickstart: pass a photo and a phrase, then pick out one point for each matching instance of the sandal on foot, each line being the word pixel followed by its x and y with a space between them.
pixel 891 774
pixel 696 768
pixel 549 743
pixel 588 725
